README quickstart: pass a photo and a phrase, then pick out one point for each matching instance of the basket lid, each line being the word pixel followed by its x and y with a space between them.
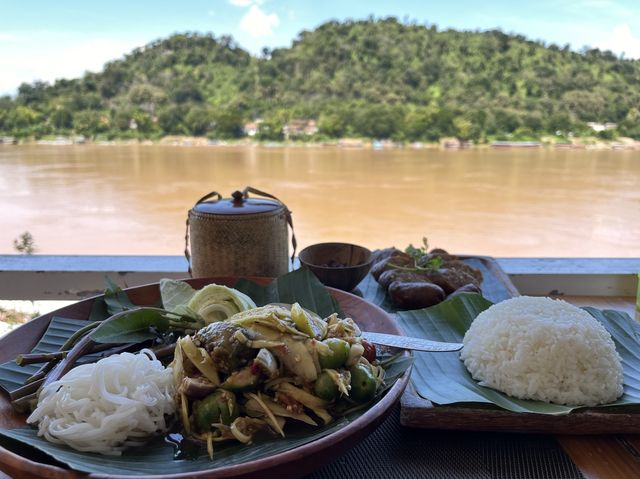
pixel 238 204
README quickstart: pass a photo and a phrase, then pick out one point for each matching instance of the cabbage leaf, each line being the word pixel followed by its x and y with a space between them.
pixel 175 294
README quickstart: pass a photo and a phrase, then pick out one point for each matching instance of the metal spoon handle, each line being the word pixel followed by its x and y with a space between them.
pixel 406 342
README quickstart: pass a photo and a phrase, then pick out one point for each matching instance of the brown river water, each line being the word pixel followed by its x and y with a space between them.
pixel 92 199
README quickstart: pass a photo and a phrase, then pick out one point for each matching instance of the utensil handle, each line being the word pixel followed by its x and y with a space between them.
pixel 406 342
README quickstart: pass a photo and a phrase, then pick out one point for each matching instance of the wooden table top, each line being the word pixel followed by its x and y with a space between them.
pixel 615 456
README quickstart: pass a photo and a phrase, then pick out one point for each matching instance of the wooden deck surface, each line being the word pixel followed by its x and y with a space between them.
pixel 615 456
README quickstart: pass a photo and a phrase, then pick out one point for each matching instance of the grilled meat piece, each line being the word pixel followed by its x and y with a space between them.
pixel 467 288
pixel 392 275
pixel 450 279
pixel 415 295
pixel 421 287
pixel 398 259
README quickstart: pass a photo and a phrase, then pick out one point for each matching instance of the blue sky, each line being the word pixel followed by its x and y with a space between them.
pixel 45 40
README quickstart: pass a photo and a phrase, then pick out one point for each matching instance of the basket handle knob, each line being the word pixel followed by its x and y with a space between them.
pixel 237 196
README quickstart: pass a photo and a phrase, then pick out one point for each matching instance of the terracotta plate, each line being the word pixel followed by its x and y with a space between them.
pixel 293 463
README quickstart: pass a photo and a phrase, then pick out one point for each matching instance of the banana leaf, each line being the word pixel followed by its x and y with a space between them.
pixel 299 286
pixel 443 379
pixel 59 330
pixel 157 457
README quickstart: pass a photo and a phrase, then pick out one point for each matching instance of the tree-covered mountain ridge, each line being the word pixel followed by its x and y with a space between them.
pixel 369 78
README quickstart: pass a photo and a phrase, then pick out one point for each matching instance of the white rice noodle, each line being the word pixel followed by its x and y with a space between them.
pixel 106 407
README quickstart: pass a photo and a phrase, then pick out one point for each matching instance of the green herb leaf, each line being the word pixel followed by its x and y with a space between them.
pixel 417 254
pixel 115 298
pixel 132 326
pixel 433 264
pixel 99 310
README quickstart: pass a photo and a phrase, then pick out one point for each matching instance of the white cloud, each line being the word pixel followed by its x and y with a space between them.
pixel 622 40
pixel 245 3
pixel 257 23
pixel 8 37
pixel 47 56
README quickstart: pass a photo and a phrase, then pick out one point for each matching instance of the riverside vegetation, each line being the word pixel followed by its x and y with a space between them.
pixel 375 78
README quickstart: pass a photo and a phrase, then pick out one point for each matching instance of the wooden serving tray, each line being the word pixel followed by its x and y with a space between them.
pixel 415 411
pixel 418 412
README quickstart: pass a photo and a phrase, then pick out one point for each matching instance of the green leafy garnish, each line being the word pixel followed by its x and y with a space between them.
pixel 417 253
pixel 115 298
pixel 133 326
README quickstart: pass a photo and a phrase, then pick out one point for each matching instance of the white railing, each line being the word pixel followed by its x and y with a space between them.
pixel 57 277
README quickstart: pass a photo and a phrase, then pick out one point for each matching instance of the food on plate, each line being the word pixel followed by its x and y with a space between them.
pixel 259 369
pixel 230 379
pixel 215 302
pixel 120 401
pixel 415 294
pixel 543 349
pixel 212 303
pixel 416 279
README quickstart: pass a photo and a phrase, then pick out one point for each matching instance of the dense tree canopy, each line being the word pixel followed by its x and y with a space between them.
pixel 372 78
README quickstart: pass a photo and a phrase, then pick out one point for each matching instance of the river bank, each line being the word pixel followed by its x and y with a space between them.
pixel 578 143
pixel 14 314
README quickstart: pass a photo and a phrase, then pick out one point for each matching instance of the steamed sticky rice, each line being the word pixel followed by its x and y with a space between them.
pixel 543 349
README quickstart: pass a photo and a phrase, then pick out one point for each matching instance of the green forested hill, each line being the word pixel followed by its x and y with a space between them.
pixel 372 78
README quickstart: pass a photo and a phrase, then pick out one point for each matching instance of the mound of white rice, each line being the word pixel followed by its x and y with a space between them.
pixel 544 349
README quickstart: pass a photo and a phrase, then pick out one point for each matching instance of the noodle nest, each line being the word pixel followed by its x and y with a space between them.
pixel 106 407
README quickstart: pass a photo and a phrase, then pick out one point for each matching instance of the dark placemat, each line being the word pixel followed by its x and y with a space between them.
pixel 394 451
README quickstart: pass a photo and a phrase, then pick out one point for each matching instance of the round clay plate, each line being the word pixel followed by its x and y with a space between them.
pixel 293 463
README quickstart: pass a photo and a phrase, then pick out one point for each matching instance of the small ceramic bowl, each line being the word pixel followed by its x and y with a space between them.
pixel 339 265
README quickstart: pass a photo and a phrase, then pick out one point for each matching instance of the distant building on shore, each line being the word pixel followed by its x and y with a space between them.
pixel 300 127
pixel 450 143
pixel 598 127
pixel 251 128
